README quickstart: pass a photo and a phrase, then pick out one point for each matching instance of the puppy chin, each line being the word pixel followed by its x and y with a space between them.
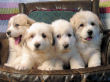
pixel 62 50
pixel 66 51
pixel 40 51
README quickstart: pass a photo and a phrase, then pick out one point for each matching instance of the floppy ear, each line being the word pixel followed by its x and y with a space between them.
pixel 53 40
pixel 25 37
pixel 73 24
pixel 100 25
pixel 30 21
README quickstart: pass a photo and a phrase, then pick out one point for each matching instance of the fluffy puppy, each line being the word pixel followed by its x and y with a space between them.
pixel 65 44
pixel 87 30
pixel 17 26
pixel 37 49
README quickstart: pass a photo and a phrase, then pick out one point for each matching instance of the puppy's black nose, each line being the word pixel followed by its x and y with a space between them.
pixel 37 45
pixel 9 32
pixel 66 46
pixel 90 32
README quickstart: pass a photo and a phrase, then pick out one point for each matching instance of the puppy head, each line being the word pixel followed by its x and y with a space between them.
pixel 17 26
pixel 86 25
pixel 63 34
pixel 39 37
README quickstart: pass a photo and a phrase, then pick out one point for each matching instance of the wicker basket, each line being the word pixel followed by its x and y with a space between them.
pixel 101 73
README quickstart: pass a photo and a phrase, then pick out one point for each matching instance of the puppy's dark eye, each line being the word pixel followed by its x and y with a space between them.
pixel 81 25
pixel 69 35
pixel 32 36
pixel 43 35
pixel 58 36
pixel 16 25
pixel 92 23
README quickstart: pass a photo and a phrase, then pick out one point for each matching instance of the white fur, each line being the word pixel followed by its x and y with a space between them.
pixel 42 57
pixel 89 49
pixel 69 55
pixel 15 50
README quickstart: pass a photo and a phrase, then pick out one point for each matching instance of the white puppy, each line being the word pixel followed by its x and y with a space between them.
pixel 87 31
pixel 37 48
pixel 65 44
pixel 16 28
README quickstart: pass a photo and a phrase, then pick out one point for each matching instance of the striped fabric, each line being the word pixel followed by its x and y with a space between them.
pixel 105 12
pixel 9 8
pixel 105 3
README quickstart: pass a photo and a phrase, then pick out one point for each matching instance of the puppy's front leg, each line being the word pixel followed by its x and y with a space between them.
pixel 76 62
pixel 95 60
pixel 26 62
pixel 52 64
pixel 12 59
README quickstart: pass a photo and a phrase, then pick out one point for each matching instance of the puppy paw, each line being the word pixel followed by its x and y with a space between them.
pixel 45 67
pixel 92 64
pixel 95 60
pixel 8 65
pixel 51 65
pixel 22 67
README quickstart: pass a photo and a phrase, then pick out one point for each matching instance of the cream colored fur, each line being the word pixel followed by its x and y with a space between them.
pixel 40 57
pixel 89 48
pixel 64 35
pixel 17 26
